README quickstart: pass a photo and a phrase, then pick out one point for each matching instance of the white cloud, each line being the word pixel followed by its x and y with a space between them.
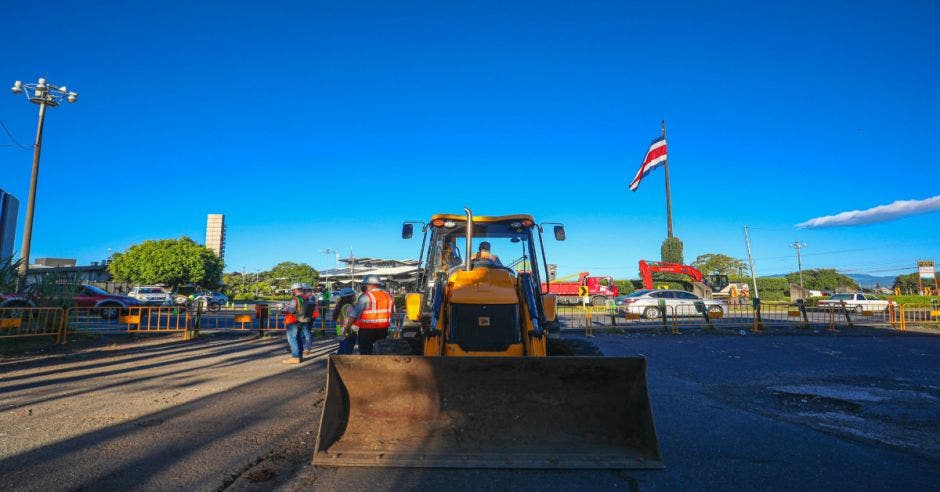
pixel 881 213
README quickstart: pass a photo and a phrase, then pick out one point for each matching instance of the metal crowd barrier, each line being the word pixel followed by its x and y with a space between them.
pixel 59 323
pixel 740 315
pixel 16 322
pixel 137 319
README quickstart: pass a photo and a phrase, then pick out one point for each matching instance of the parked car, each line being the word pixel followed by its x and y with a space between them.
pixel 856 302
pixel 10 301
pixel 213 297
pixel 83 296
pixel 646 303
pixel 151 295
pixel 111 304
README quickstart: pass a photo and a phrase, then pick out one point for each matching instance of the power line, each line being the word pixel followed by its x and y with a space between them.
pixel 12 138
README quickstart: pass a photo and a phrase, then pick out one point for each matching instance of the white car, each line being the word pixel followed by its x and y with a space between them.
pixel 213 297
pixel 151 295
pixel 856 302
pixel 646 303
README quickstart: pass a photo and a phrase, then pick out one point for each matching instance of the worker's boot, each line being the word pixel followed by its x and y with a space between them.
pixel 291 360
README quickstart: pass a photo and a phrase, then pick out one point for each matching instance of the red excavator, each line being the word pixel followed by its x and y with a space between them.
pixel 647 268
pixel 717 285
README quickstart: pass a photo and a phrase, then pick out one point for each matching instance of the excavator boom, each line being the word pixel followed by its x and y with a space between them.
pixel 648 268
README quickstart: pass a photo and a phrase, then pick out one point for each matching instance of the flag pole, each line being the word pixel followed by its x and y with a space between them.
pixel 668 198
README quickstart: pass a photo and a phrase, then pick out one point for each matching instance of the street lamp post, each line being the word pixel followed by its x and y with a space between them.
pixel 329 283
pixel 43 94
pixel 332 252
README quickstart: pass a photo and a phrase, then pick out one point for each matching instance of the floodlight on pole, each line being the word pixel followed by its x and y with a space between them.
pixel 329 251
pixel 44 95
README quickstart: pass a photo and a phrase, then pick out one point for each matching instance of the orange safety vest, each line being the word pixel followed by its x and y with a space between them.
pixel 379 313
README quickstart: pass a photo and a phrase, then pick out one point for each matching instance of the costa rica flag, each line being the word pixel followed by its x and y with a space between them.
pixel 655 157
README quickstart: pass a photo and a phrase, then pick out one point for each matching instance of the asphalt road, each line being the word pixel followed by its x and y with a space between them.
pixel 732 412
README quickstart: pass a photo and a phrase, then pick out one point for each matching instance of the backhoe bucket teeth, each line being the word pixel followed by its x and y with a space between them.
pixel 487 412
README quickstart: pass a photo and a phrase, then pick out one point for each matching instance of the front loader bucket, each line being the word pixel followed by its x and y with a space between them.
pixel 487 412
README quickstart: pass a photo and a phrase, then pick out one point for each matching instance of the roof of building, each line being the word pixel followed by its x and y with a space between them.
pixel 403 270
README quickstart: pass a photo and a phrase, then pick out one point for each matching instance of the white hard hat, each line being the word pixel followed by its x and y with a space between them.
pixel 372 280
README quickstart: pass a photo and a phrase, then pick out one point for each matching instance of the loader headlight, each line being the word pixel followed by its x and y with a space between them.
pixel 450 224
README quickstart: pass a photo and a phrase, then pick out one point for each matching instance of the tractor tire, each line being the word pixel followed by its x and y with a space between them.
pixel 599 301
pixel 15 309
pixel 392 346
pixel 570 347
pixel 110 311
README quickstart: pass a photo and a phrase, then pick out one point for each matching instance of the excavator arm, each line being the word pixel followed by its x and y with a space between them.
pixel 647 268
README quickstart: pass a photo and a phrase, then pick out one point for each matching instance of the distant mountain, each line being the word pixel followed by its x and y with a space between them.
pixel 864 280
pixel 868 281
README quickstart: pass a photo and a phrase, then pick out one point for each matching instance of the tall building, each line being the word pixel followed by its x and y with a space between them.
pixel 215 234
pixel 9 207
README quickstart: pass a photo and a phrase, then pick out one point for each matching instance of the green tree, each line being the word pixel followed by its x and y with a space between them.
pixel 173 262
pixel 287 272
pixel 907 283
pixel 671 250
pixel 827 279
pixel 8 275
pixel 718 263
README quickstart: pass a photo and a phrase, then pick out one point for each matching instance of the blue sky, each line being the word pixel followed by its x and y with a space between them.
pixel 317 125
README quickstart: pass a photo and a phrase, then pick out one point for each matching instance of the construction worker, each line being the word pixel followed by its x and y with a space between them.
pixel 299 338
pixel 341 313
pixel 372 314
pixel 734 295
pixel 449 257
pixel 484 254
pixel 310 313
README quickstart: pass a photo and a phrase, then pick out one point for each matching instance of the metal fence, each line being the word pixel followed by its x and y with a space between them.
pixel 755 318
pixel 32 322
pixel 140 319
pixel 60 323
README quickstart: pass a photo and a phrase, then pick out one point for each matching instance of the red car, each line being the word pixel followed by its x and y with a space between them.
pixel 87 296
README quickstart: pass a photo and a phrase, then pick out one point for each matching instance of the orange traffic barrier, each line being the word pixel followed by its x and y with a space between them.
pixel 16 322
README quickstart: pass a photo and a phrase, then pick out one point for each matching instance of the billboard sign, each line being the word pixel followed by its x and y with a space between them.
pixel 926 270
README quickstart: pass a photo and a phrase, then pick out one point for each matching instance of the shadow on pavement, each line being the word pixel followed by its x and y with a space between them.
pixel 197 444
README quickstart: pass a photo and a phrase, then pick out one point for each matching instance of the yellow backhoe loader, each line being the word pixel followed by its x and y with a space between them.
pixel 472 382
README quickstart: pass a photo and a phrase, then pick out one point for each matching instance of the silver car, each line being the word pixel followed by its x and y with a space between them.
pixel 151 295
pixel 646 303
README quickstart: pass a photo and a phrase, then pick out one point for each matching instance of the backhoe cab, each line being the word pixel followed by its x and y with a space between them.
pixel 474 301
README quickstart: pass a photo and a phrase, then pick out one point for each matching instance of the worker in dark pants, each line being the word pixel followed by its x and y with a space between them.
pixel 372 314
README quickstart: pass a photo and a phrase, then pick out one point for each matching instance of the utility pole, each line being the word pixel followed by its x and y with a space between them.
pixel 799 262
pixel 668 193
pixel 750 260
pixel 352 269
pixel 44 95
